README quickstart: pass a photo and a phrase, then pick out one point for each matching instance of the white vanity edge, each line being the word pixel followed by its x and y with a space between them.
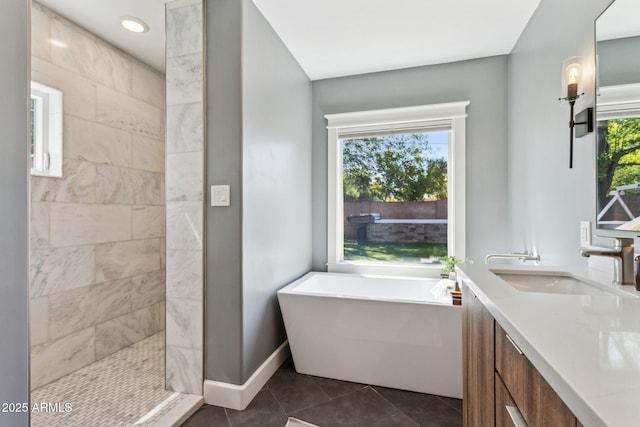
pixel 543 325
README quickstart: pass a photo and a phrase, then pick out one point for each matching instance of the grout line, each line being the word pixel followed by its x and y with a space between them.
pixel 390 403
pixel 313 380
pixel 277 401
pixel 343 394
pixel 306 407
pixel 448 404
pixel 330 400
pixel 226 414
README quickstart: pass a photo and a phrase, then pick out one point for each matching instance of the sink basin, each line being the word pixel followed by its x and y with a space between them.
pixel 554 283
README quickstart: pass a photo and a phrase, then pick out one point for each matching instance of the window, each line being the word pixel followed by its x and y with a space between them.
pixel 396 189
pixel 45 145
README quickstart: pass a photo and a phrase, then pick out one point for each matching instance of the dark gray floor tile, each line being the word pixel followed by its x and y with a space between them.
pixel 397 420
pixel 208 416
pixel 424 409
pixel 263 411
pixel 332 403
pixel 335 388
pixel 454 403
pixel 294 391
pixel 360 408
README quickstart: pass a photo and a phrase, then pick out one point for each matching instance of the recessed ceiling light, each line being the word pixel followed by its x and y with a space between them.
pixel 134 25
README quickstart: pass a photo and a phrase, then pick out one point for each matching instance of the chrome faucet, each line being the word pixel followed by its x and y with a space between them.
pixel 622 254
pixel 524 256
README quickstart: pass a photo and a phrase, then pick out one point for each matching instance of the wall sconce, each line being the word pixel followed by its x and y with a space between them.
pixel 572 83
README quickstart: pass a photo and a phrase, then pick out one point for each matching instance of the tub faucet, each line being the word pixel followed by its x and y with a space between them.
pixel 524 256
pixel 622 254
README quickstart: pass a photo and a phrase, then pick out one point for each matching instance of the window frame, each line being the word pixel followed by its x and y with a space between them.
pixel 614 102
pixel 47 139
pixel 451 116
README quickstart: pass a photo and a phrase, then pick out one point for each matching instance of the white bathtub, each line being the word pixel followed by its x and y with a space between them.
pixel 391 332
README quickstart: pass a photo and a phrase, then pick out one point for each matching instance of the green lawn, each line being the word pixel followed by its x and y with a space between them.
pixel 394 252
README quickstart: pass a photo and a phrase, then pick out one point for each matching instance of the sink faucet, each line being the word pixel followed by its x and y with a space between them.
pixel 622 254
pixel 525 256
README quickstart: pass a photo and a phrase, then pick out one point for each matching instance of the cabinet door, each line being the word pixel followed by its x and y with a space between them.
pixel 539 404
pixel 478 367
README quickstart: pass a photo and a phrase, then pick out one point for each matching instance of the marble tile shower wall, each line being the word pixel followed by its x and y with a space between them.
pixel 98 233
pixel 185 198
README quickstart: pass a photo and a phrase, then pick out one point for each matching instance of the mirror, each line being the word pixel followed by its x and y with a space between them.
pixel 618 117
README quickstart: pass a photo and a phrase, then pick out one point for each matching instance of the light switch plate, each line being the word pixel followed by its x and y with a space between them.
pixel 220 195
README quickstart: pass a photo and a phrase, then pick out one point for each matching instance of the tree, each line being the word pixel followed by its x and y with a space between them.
pixel 392 168
pixel 618 155
pixel 359 167
pixel 437 179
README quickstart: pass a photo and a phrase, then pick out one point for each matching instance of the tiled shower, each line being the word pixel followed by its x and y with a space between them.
pixel 97 233
pixel 99 275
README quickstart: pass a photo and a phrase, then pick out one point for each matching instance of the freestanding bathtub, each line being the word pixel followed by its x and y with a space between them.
pixel 386 331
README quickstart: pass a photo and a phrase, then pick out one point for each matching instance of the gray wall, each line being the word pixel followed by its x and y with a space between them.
pixel 619 61
pixel 481 81
pixel 259 141
pixel 276 126
pixel 223 277
pixel 14 215
pixel 546 198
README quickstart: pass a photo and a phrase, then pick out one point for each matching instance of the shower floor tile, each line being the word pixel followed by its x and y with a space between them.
pixel 123 389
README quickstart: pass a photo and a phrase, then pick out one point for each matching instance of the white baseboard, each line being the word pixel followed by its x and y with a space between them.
pixel 239 396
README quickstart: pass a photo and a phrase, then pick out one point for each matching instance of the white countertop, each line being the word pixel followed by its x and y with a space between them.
pixel 586 347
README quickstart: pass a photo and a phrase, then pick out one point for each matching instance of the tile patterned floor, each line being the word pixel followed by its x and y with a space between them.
pixel 123 389
pixel 331 403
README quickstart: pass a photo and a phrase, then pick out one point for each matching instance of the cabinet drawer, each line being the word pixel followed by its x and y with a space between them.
pixel 511 364
pixel 503 401
pixel 539 404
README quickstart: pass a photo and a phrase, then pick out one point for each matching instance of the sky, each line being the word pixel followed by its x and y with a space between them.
pixel 439 141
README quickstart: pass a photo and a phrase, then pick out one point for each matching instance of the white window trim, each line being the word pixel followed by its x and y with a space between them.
pixel 452 115
pixel 48 148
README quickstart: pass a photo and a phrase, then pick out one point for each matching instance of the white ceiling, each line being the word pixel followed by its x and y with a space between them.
pixel 102 17
pixel 332 38
pixel 619 20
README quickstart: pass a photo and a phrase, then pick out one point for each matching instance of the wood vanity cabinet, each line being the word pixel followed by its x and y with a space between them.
pixel 478 362
pixel 497 375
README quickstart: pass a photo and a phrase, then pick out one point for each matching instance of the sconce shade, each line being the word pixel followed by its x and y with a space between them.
pixel 571 78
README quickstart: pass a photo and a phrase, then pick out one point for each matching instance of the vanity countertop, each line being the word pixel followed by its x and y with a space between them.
pixel 586 347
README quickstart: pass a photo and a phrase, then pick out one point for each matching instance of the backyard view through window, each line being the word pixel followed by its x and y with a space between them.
pixel 395 197
pixel 619 173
